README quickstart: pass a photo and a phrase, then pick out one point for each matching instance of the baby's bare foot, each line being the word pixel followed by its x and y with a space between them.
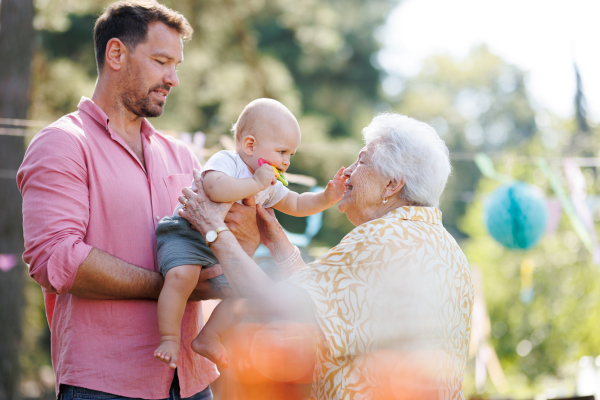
pixel 209 346
pixel 167 352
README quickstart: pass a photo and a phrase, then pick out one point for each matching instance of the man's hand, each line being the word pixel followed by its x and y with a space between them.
pixel 205 290
pixel 241 220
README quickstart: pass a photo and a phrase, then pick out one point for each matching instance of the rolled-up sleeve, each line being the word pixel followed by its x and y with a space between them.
pixel 54 184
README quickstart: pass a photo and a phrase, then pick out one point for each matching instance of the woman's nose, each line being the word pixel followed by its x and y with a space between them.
pixel 348 171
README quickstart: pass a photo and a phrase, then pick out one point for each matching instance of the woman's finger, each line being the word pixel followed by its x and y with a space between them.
pixel 271 212
pixel 197 178
pixel 188 193
pixel 265 214
pixel 183 213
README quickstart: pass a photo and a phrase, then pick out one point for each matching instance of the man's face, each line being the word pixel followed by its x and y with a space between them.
pixel 151 72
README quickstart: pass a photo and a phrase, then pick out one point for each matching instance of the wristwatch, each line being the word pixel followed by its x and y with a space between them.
pixel 211 235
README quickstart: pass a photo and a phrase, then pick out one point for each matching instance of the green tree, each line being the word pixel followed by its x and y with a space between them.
pixel 15 70
pixel 476 104
pixel 314 56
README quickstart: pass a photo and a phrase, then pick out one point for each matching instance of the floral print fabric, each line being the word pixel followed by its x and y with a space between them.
pixel 395 285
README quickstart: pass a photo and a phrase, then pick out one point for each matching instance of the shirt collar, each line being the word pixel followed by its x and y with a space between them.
pixel 430 215
pixel 93 110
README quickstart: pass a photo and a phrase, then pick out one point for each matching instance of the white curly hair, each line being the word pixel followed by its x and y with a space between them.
pixel 408 149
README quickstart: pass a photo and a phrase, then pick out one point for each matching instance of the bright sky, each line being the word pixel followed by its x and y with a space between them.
pixel 542 37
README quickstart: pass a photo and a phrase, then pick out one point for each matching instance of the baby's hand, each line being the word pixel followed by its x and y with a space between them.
pixel 265 176
pixel 335 188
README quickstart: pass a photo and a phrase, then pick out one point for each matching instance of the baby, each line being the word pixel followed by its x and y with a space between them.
pixel 266 130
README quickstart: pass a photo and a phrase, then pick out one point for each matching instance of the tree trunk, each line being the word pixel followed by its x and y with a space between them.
pixel 16 50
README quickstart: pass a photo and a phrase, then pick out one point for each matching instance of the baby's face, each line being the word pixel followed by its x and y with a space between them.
pixel 276 141
pixel 276 147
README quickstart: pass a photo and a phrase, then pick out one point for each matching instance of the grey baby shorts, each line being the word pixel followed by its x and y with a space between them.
pixel 178 244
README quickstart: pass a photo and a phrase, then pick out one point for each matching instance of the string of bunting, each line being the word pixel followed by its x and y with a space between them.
pixel 516 213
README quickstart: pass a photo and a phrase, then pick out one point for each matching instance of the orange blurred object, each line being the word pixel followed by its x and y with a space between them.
pixel 268 362
pixel 405 375
pixel 284 351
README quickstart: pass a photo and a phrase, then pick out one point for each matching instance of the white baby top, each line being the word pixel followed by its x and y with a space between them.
pixel 231 164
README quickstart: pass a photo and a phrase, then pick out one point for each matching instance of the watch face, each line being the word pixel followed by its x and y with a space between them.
pixel 211 236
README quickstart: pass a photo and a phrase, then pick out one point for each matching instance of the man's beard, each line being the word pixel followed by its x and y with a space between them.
pixel 142 104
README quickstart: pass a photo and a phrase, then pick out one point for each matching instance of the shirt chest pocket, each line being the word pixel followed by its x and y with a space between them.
pixel 175 183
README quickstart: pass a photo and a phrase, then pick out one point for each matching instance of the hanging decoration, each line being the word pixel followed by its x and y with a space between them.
pixel 7 262
pixel 567 206
pixel 516 215
pixel 578 188
pixel 526 293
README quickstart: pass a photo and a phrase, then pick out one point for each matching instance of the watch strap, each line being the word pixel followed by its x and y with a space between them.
pixel 221 229
pixel 217 231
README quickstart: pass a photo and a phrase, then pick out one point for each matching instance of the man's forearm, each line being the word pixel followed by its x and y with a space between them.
pixel 103 276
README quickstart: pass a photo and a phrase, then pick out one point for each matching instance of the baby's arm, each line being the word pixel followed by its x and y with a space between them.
pixel 302 205
pixel 222 188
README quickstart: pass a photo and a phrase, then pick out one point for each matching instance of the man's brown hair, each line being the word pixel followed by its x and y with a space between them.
pixel 128 21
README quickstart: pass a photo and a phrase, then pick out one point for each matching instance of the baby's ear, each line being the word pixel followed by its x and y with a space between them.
pixel 249 144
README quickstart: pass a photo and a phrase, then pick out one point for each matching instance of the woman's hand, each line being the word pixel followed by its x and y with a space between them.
pixel 199 210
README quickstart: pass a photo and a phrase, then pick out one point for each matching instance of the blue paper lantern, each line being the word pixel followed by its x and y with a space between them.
pixel 516 215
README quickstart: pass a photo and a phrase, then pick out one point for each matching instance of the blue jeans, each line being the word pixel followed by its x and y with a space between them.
pixel 68 392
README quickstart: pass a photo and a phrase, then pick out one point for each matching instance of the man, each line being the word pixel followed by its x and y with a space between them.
pixel 95 183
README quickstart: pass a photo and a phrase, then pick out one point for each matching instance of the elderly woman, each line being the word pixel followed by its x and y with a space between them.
pixel 396 284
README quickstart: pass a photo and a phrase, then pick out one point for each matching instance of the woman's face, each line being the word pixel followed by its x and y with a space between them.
pixel 364 189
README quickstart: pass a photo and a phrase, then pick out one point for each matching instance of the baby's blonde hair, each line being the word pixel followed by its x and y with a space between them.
pixel 248 119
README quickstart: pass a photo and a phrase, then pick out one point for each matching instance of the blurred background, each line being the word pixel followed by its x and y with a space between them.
pixel 512 87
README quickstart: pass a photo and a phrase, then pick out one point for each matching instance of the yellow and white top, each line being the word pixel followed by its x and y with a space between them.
pixel 394 302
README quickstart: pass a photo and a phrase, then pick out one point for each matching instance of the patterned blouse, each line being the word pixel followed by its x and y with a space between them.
pixel 394 302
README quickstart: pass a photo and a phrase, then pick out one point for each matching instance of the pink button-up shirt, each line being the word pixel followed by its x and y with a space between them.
pixel 83 187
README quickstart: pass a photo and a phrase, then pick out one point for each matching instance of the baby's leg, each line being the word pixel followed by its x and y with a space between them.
pixel 179 284
pixel 226 316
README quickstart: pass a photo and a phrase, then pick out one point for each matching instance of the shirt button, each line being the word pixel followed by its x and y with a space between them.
pixel 157 218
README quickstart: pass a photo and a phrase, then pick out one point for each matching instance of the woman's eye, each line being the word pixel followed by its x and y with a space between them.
pixel 160 62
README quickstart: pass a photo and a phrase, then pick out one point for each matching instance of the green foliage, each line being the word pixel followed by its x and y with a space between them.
pixel 476 104
pixel 313 56
pixel 560 321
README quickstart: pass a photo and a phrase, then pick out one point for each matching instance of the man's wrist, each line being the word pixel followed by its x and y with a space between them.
pixel 157 287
